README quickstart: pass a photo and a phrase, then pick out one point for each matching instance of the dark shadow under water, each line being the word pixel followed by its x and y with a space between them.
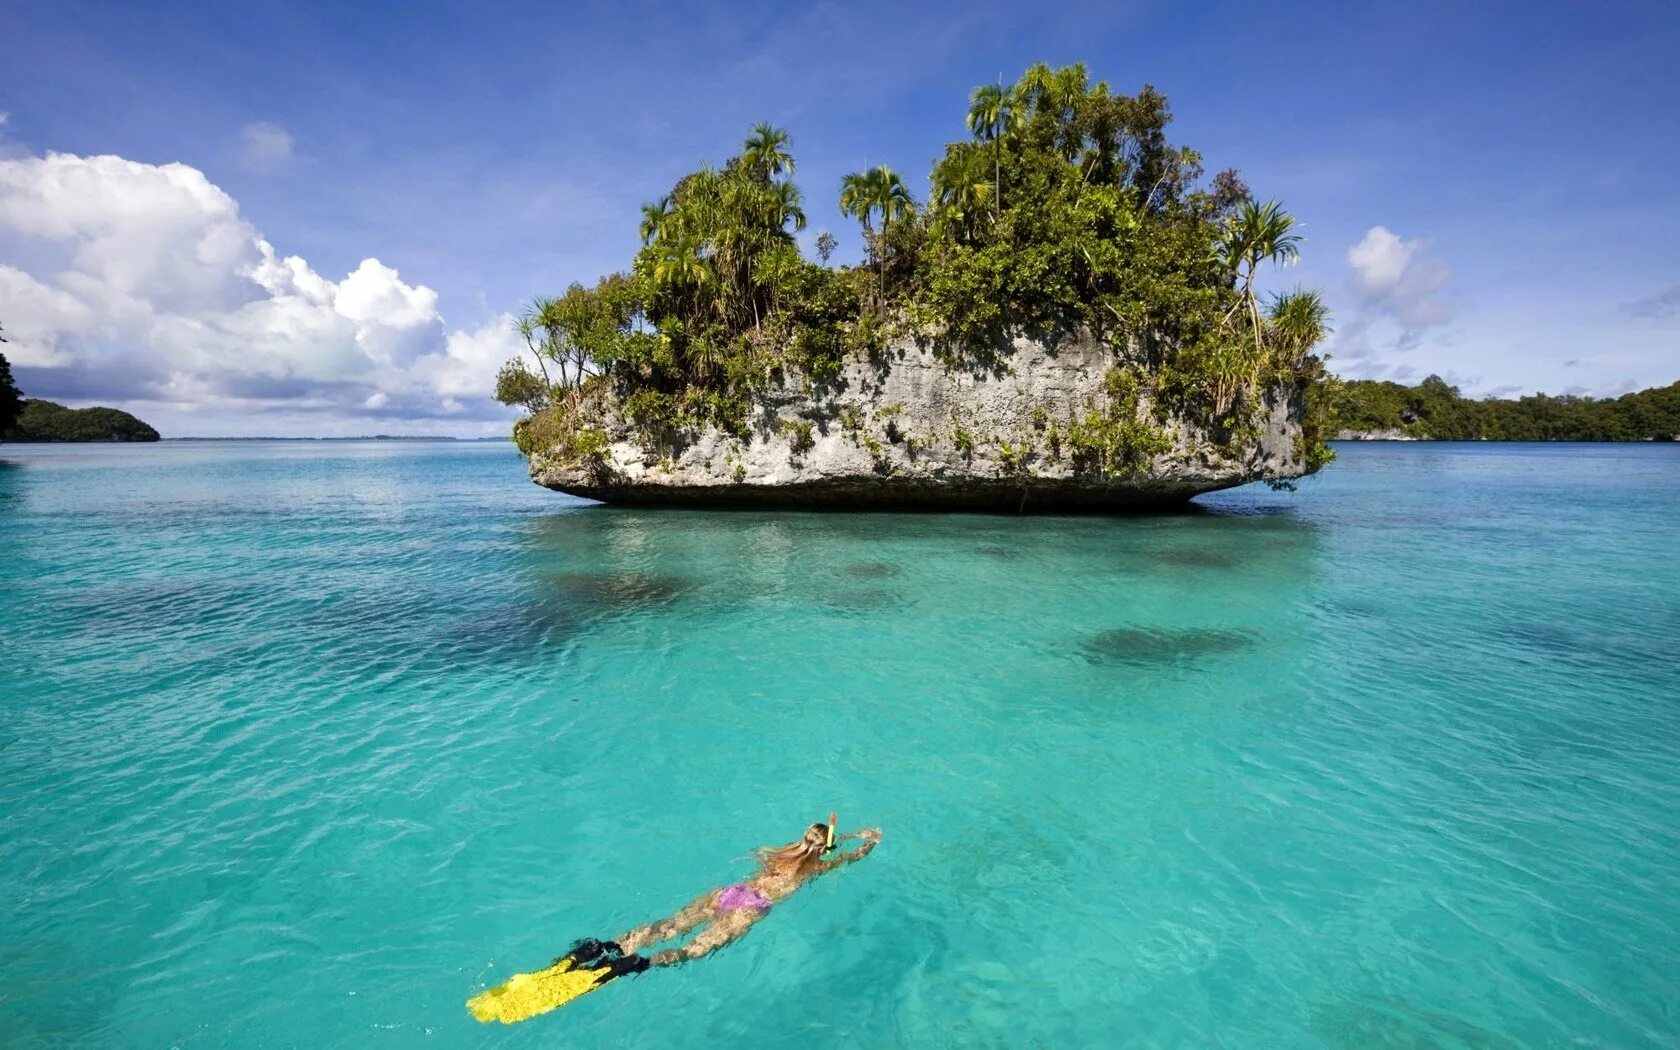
pixel 1157 646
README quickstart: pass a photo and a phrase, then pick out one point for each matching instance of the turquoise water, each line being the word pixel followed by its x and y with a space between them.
pixel 304 744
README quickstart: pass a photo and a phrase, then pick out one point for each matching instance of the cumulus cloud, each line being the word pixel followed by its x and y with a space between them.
pixel 143 282
pixel 1394 276
pixel 264 146
pixel 1398 296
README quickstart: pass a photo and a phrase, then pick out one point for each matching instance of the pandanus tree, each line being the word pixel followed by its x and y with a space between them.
pixel 876 192
pixel 1297 322
pixel 1256 234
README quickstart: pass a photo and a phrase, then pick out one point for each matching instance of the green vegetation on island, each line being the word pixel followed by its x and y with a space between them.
pixel 24 419
pixel 49 421
pixel 1066 213
pixel 1436 409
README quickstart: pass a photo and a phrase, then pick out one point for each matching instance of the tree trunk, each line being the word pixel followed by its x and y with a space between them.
pixel 997 172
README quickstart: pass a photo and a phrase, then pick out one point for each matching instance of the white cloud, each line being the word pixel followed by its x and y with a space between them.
pixel 1399 297
pixel 38 318
pixel 1395 276
pixel 469 362
pixel 264 146
pixel 144 282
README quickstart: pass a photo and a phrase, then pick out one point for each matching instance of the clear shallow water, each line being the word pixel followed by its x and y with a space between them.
pixel 304 744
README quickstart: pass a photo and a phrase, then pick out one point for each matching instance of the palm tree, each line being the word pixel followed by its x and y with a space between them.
pixel 682 264
pixel 857 198
pixel 892 197
pixel 991 115
pixel 1258 233
pixel 877 191
pixel 653 218
pixel 765 152
pixel 785 206
pixel 960 187
pixel 1297 322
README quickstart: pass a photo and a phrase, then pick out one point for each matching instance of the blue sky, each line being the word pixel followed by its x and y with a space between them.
pixel 1486 190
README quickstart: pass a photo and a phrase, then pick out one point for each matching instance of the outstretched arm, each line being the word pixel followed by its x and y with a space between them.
pixel 870 837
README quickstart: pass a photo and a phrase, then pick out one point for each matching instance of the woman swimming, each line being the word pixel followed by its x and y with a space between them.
pixel 727 914
pixel 731 911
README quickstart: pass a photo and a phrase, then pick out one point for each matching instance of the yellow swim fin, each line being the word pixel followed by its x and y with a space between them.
pixel 526 995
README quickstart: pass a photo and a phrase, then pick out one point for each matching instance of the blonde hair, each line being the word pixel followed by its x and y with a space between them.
pixel 785 860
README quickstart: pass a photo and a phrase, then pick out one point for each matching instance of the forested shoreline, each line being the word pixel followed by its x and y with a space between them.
pixel 1436 410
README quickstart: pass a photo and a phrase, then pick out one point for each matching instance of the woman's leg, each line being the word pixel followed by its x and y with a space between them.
pixel 693 914
pixel 725 928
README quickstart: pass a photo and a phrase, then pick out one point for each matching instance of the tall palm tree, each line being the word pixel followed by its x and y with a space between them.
pixel 766 151
pixel 1258 233
pixel 991 115
pixel 892 197
pixel 857 198
pixel 879 191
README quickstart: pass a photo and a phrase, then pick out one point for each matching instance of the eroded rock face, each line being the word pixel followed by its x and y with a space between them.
pixel 1390 434
pixel 909 431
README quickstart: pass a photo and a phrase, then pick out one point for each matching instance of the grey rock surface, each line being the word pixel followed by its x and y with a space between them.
pixel 890 432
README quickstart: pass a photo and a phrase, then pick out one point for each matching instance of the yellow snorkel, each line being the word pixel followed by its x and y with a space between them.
pixel 833 819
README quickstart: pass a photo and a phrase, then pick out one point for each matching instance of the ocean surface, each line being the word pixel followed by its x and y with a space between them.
pixel 303 744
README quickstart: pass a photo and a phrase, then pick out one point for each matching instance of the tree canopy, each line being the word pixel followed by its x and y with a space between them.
pixel 50 421
pixel 1066 212
pixel 1435 409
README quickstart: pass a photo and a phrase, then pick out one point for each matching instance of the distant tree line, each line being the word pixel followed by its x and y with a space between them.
pixel 1435 409
pixel 23 419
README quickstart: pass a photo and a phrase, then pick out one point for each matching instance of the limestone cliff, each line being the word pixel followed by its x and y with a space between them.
pixel 1048 429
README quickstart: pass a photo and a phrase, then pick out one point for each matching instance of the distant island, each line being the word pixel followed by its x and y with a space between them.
pixel 48 421
pixel 26 419
pixel 1068 320
pixel 1435 410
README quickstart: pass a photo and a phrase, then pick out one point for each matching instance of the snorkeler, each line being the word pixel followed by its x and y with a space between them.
pixel 727 914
